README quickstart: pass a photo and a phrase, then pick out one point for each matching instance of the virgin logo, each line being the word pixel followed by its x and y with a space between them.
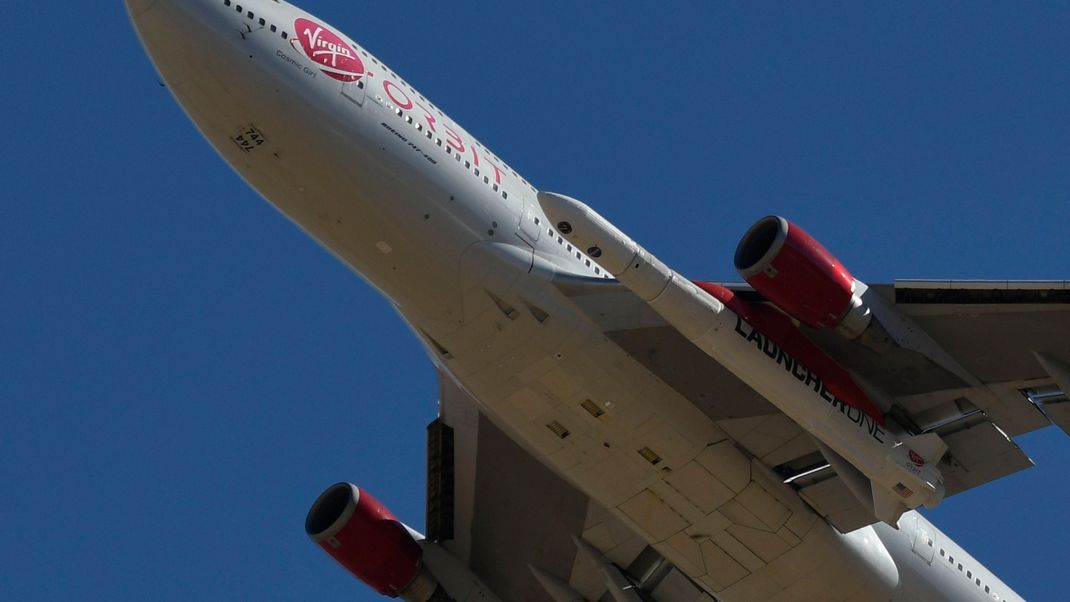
pixel 334 56
pixel 916 458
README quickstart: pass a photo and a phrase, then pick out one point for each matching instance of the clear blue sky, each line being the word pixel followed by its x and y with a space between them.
pixel 182 371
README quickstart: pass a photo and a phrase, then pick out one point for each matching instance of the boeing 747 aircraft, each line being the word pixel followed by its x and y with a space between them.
pixel 608 428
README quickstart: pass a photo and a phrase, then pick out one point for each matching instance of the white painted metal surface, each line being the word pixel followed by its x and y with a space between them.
pixel 455 239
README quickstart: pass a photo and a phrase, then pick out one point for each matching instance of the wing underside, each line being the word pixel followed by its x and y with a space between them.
pixel 1005 346
pixel 528 534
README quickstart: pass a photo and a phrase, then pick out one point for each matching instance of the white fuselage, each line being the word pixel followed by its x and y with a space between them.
pixel 456 240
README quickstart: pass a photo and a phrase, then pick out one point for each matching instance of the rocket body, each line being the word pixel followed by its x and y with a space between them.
pixel 769 354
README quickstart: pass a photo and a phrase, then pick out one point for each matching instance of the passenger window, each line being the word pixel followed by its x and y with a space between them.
pixel 262 22
pixel 284 35
pixel 274 29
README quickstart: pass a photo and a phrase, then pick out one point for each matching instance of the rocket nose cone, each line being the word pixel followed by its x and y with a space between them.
pixel 562 210
pixel 589 231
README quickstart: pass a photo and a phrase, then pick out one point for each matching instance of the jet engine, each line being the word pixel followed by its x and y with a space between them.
pixel 371 543
pixel 798 275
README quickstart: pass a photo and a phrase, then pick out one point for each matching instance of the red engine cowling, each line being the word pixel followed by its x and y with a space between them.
pixel 365 538
pixel 791 269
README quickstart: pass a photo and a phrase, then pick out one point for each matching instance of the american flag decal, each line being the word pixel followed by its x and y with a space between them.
pixel 903 490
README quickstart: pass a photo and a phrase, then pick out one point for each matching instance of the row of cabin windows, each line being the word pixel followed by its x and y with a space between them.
pixel 485 152
pixel 449 150
pixel 969 573
pixel 413 91
pixel 252 17
pixel 486 180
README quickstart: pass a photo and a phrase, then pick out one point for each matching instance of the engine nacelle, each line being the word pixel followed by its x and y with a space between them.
pixel 370 542
pixel 791 269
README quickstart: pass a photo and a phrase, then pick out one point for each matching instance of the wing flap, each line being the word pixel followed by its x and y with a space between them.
pixel 978 454
pixel 1058 410
pixel 1055 403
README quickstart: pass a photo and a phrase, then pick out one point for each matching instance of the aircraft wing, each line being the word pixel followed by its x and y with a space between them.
pixel 1014 336
pixel 527 534
pixel 998 369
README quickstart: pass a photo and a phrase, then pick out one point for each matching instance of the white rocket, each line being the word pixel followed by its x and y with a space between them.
pixel 887 468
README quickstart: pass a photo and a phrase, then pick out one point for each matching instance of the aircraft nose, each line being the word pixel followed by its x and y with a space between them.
pixel 136 8
pixel 177 35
